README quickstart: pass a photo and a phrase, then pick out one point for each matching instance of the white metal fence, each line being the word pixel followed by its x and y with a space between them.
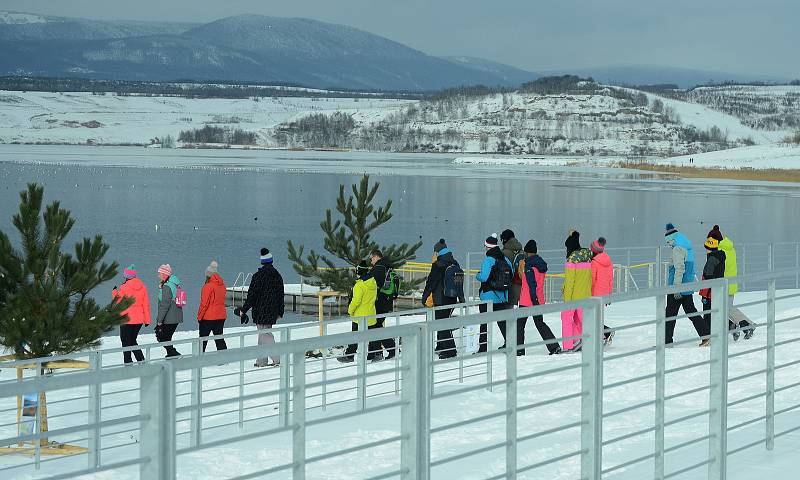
pixel 150 421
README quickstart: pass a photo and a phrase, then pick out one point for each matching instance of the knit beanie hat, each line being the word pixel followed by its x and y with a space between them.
pixel 491 241
pixel 165 270
pixel 266 257
pixel 598 246
pixel 212 268
pixel 506 235
pixel 715 233
pixel 129 272
pixel 439 245
pixel 711 243
pixel 530 247
pixel 573 242
pixel 670 231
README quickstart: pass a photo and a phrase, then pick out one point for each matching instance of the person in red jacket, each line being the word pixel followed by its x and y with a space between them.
pixel 212 313
pixel 602 278
pixel 138 314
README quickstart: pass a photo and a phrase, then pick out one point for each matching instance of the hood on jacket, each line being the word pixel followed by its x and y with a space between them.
pixel 216 279
pixel 602 259
pixel 512 245
pixel 537 262
pixel 134 283
pixel 580 256
pixel 726 244
pixel 445 260
pixel 495 252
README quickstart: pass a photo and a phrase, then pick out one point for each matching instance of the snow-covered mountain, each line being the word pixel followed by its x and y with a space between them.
pixel 251 48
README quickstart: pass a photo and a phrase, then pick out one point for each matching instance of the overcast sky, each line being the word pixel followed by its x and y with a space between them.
pixel 756 37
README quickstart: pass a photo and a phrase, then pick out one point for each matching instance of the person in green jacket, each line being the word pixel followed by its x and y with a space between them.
pixel 577 286
pixel 737 320
pixel 362 304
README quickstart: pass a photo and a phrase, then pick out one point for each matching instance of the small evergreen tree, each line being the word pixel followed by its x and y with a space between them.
pixel 349 240
pixel 45 307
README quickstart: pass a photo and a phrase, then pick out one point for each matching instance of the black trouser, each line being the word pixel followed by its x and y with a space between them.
pixel 215 327
pixel 385 343
pixel 546 334
pixel 445 345
pixel 520 332
pixel 127 335
pixel 372 348
pixel 164 333
pixel 673 304
pixel 707 317
pixel 483 338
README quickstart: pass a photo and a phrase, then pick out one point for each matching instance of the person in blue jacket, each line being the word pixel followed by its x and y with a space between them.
pixel 681 270
pixel 489 292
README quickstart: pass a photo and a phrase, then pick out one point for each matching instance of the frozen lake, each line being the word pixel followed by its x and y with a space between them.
pixel 226 204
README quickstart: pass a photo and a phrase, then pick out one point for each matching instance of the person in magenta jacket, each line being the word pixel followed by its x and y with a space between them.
pixel 211 314
pixel 602 278
pixel 532 271
pixel 138 314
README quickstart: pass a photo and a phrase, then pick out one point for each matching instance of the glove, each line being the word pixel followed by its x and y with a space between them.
pixel 245 319
pixel 677 296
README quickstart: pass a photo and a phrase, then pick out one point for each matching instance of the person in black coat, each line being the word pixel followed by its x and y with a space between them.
pixel 265 298
pixel 384 303
pixel 434 285
pixel 714 268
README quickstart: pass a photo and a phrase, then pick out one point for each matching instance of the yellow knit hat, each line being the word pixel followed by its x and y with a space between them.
pixel 712 243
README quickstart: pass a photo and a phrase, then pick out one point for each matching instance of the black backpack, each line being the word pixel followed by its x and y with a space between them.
pixel 454 281
pixel 518 258
pixel 501 276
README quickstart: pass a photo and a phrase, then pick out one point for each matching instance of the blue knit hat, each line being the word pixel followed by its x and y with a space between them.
pixel 671 231
pixel 266 257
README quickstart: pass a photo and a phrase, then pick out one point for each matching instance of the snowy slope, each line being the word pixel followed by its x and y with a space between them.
pixel 780 156
pixel 75 118
pixel 240 458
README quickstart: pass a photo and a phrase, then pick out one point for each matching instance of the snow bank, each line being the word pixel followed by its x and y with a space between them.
pixel 780 156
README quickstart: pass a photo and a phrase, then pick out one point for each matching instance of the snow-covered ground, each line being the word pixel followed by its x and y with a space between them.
pixel 78 118
pixel 237 458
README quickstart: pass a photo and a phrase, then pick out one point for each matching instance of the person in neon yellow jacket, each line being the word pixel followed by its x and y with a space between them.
pixel 577 286
pixel 362 304
pixel 736 319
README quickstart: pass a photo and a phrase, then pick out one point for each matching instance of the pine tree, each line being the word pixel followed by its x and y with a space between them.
pixel 349 240
pixel 45 308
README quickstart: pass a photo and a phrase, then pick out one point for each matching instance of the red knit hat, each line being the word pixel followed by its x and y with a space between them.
pixel 597 247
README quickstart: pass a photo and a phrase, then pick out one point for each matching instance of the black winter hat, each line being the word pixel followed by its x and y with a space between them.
pixel 491 241
pixel 573 242
pixel 506 235
pixel 362 268
pixel 530 247
pixel 439 245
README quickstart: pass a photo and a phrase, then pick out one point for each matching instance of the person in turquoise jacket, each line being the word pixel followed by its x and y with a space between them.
pixel 681 270
pixel 488 292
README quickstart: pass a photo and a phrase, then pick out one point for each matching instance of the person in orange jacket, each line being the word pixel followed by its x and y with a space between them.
pixel 138 314
pixel 602 278
pixel 211 314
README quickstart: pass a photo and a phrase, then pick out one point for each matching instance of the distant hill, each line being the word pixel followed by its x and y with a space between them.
pixel 652 75
pixel 510 75
pixel 250 48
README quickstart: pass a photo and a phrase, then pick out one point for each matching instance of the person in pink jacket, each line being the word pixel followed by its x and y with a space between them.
pixel 602 277
pixel 138 314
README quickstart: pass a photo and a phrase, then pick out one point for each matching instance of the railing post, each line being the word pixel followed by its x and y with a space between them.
pixel 241 384
pixel 196 421
pixel 489 329
pixel 430 316
pixel 361 367
pixel 797 264
pixel 661 305
pixel 324 373
pixel 157 428
pixel 718 381
pixel 285 385
pixel 770 399
pixel 415 411
pixel 95 411
pixel 592 389
pixel 397 359
pixel 511 396
pixel 460 348
pixel 658 281
pixel 299 416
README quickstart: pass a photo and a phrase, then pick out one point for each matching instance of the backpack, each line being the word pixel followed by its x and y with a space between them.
pixel 518 258
pixel 454 281
pixel 391 284
pixel 180 296
pixel 501 276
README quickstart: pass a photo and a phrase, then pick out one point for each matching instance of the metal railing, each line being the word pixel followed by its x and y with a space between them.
pixel 171 414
